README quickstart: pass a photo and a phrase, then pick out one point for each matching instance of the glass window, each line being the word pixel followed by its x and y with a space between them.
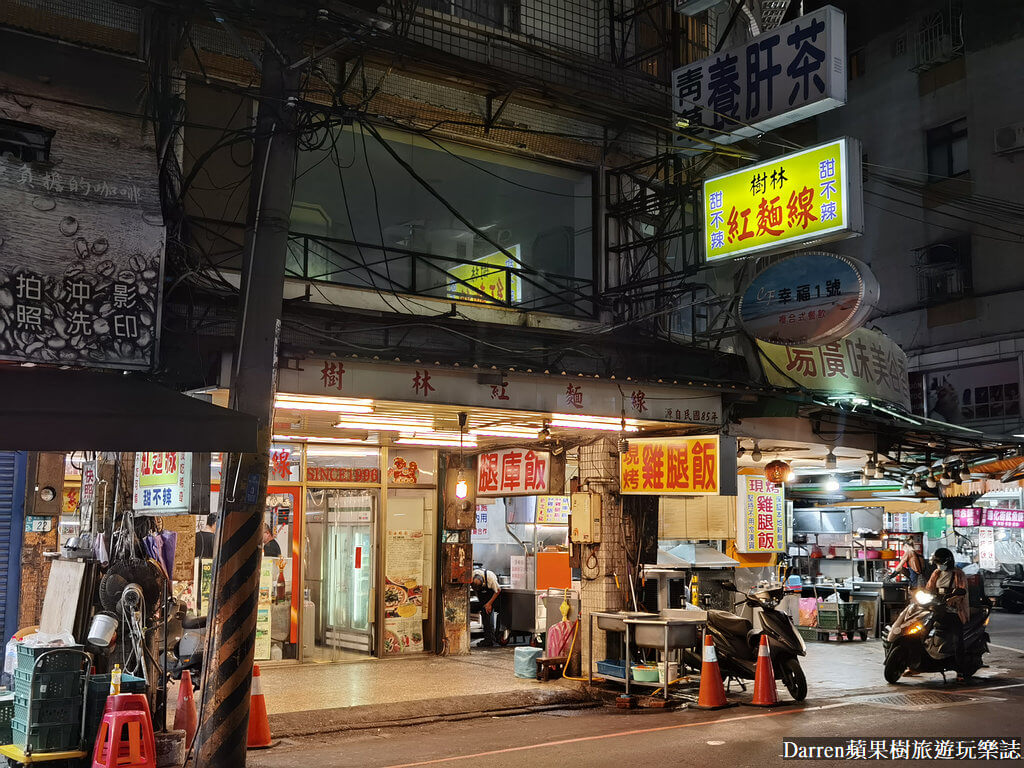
pixel 412 466
pixel 342 464
pixel 285 463
pixel 947 149
pixel 373 225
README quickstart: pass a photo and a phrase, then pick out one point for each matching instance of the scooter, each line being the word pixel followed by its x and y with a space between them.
pixel 186 638
pixel 915 642
pixel 1011 599
pixel 736 640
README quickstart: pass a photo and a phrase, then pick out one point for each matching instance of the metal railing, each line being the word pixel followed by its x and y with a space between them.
pixel 398 270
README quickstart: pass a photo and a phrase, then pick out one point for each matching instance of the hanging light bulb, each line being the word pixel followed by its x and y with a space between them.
pixel 756 453
pixel 916 486
pixel 879 472
pixel 791 476
pixel 461 487
pixel 965 474
pixel 830 460
pixel 740 450
pixel 929 482
pixel 832 484
pixel 869 467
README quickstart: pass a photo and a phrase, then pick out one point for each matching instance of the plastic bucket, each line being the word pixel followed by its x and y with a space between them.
pixel 102 629
pixel 673 672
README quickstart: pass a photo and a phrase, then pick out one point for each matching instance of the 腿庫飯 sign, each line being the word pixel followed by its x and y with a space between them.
pixel 513 472
pixel 811 196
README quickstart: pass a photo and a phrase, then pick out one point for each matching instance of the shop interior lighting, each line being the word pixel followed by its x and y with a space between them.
pixel 426 440
pixel 390 423
pixel 581 421
pixel 306 439
pixel 965 474
pixel 879 472
pixel 521 432
pixel 929 482
pixel 755 454
pixel 332 404
pixel 830 460
pixel 331 450
pixel 832 484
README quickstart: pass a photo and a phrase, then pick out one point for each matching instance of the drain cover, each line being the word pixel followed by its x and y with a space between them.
pixel 924 700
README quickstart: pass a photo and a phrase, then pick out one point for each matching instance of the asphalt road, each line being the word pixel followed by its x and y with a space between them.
pixel 740 736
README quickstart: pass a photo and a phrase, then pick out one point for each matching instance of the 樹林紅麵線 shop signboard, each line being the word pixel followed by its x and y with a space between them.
pixel 810 196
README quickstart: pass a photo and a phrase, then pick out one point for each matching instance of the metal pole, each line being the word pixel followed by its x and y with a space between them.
pixel 227 672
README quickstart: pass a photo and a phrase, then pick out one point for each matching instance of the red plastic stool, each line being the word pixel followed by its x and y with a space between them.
pixel 124 702
pixel 125 740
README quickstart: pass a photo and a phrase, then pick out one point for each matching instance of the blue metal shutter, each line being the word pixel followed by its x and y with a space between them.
pixel 12 524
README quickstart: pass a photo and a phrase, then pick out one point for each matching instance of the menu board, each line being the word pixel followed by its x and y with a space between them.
pixel 553 510
pixel 263 604
pixel 403 592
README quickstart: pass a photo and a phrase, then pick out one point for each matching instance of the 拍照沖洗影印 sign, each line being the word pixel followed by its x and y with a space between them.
pixel 810 298
pixel 513 472
pixel 761 515
pixel 987 548
pixel 688 466
pixel 163 483
pixel 811 196
pixel 865 364
pixel 786 74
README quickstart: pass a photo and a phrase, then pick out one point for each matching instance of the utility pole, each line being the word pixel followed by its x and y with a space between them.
pixel 227 665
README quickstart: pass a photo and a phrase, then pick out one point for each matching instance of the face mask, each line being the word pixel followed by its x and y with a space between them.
pixel 943 567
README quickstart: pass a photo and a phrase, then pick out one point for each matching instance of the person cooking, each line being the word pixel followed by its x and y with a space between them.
pixel 270 546
pixel 205 538
pixel 950 585
pixel 485 587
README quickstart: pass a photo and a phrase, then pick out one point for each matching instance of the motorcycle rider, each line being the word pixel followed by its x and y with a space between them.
pixel 949 584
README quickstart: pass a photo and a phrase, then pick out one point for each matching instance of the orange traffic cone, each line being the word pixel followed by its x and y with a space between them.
pixel 259 725
pixel 712 691
pixel 764 677
pixel 185 714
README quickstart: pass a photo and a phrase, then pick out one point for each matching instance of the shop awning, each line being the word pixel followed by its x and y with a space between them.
pixel 43 409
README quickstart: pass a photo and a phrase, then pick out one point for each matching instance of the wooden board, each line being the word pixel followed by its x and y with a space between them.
pixel 63 589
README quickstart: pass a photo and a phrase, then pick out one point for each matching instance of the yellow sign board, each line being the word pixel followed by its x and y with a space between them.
pixel 810 196
pixel 489 275
pixel 687 466
pixel 864 364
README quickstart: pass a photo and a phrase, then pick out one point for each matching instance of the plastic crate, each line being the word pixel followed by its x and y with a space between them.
pixel 55 662
pixel 612 668
pixel 6 715
pixel 45 738
pixel 47 685
pixel 96 699
pixel 839 616
pixel 808 633
pixel 48 711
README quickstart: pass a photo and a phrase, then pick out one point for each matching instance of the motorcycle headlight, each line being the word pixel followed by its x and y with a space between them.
pixel 915 629
pixel 923 598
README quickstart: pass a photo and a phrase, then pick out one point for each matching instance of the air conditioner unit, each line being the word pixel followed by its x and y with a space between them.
pixel 1009 138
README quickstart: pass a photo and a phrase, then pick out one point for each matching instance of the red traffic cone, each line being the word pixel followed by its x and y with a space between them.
pixel 259 725
pixel 712 691
pixel 185 714
pixel 764 677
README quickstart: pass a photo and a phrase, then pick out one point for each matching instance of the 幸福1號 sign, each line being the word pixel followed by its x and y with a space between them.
pixel 811 196
pixel 810 298
pixel 761 510
pixel 687 466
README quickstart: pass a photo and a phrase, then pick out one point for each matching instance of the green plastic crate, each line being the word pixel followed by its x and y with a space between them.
pixel 96 699
pixel 45 738
pixel 839 616
pixel 808 633
pixel 47 685
pixel 6 715
pixel 48 711
pixel 55 662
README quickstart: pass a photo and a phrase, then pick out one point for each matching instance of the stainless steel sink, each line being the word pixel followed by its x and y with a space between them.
pixel 616 622
pixel 670 631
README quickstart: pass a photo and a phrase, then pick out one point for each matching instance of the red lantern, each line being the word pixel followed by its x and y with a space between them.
pixel 777 471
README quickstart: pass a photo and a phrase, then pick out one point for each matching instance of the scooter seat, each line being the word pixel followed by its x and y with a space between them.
pixel 730 622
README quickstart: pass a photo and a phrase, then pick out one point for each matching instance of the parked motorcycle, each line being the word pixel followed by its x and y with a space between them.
pixel 917 642
pixel 186 639
pixel 736 640
pixel 1011 599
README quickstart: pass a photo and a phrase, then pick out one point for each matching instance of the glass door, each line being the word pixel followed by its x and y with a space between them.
pixel 341 557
